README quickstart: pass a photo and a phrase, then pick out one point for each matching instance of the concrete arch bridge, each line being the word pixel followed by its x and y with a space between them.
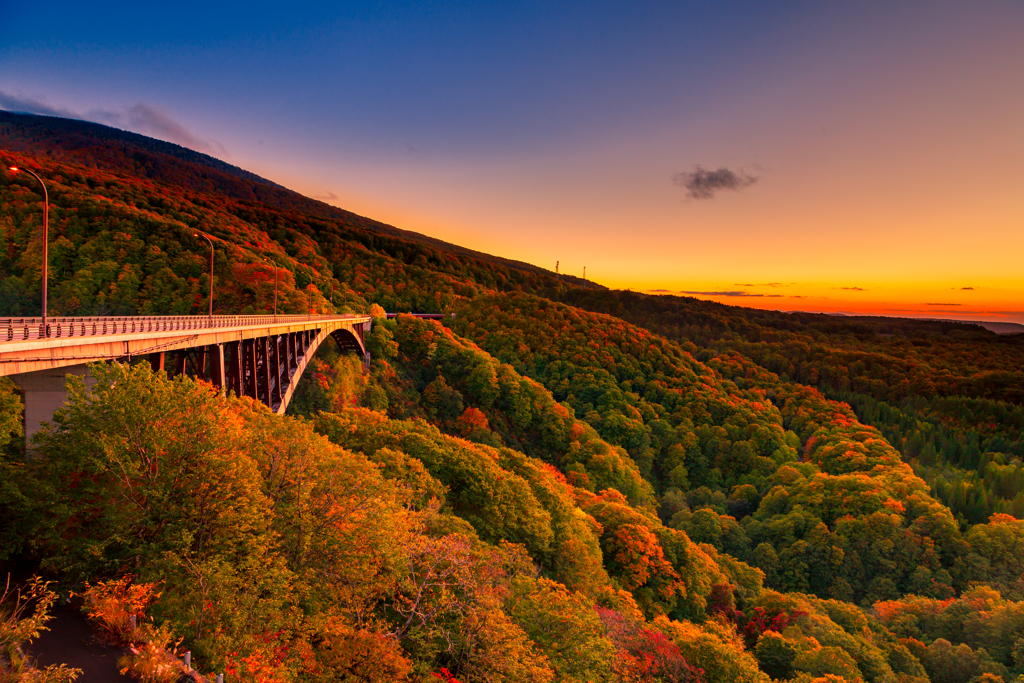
pixel 260 356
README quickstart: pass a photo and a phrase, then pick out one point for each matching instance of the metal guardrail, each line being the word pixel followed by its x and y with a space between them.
pixel 21 329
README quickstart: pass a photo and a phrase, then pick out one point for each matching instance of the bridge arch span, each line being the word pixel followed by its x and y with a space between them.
pixel 347 340
pixel 262 357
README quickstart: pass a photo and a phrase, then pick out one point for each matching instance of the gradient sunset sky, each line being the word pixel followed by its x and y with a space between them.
pixel 874 150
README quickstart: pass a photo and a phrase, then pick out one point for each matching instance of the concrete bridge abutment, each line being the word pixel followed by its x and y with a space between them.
pixel 44 391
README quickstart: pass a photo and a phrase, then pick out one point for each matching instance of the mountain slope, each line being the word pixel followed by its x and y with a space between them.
pixel 94 145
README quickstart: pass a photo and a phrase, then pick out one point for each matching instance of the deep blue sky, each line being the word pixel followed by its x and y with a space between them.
pixel 885 137
pixel 458 77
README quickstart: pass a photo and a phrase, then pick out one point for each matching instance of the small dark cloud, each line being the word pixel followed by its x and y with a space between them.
pixel 32 105
pixel 852 289
pixel 968 288
pixel 660 291
pixel 943 304
pixel 703 184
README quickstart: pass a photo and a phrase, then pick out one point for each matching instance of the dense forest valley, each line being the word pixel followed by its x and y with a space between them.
pixel 554 482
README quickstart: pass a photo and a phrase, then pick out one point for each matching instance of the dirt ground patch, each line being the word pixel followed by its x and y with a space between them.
pixel 70 641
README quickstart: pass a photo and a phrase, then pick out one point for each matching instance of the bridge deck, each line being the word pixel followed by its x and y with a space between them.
pixel 26 347
pixel 259 356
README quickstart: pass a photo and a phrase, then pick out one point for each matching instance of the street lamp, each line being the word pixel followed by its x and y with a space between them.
pixel 207 238
pixel 46 238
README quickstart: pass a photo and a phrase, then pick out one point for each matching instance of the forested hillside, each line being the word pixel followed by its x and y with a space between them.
pixel 551 484
pixel 948 395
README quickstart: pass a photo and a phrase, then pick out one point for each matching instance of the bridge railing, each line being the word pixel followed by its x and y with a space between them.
pixel 21 329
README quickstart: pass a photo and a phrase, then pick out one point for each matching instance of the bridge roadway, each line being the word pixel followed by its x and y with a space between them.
pixel 260 356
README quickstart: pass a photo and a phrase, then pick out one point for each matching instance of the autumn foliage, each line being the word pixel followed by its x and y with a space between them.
pixel 553 484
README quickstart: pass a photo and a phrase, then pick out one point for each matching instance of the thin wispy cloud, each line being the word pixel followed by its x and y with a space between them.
pixel 943 304
pixel 33 105
pixel 703 184
pixel 149 120
pixel 737 293
pixel 329 197
pixel 959 311
pixel 139 118
pixel 852 289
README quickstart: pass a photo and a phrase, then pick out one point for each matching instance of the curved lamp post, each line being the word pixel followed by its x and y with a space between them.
pixel 46 238
pixel 211 269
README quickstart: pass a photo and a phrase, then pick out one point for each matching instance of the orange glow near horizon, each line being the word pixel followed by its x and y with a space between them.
pixel 996 306
pixel 905 268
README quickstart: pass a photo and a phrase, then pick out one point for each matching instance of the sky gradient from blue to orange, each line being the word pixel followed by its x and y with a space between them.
pixel 887 138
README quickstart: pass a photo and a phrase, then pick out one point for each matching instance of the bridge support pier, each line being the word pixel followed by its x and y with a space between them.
pixel 44 392
pixel 218 371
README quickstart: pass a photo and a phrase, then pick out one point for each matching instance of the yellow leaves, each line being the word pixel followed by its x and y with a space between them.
pixel 499 649
pixel 828 661
pixel 352 653
pixel 714 647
